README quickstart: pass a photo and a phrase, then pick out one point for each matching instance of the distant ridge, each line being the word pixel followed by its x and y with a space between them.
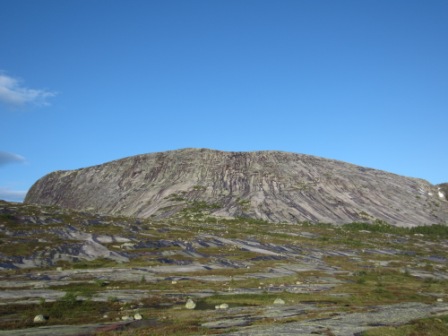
pixel 268 185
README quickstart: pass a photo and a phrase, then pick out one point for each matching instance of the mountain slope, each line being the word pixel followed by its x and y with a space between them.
pixel 268 185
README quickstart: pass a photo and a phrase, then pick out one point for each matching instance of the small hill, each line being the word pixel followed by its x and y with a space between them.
pixel 268 185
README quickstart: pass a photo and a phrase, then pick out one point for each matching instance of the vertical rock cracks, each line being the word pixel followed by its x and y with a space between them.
pixel 269 185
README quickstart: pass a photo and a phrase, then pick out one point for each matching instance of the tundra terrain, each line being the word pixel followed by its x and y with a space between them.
pixel 67 272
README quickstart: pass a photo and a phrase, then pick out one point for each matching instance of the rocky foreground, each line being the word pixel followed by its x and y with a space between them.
pixel 65 272
pixel 267 185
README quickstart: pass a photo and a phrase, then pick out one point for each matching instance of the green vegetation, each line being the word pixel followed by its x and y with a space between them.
pixel 176 198
pixel 197 206
pixel 67 310
pixel 96 263
pixel 198 209
pixel 436 230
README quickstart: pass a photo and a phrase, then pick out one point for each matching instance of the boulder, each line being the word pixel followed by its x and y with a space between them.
pixel 279 301
pixel 222 306
pixel 190 304
pixel 40 319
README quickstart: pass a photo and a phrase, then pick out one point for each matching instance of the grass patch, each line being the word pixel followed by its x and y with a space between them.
pixel 96 263
pixel 67 310
pixel 435 230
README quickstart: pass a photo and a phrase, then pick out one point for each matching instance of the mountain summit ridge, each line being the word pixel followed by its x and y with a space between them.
pixel 269 185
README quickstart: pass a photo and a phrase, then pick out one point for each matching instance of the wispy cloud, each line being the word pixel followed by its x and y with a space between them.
pixel 12 195
pixel 13 93
pixel 6 158
pixel 6 193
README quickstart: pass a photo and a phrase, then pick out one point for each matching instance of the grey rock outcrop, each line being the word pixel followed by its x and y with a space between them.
pixel 443 190
pixel 268 185
pixel 349 324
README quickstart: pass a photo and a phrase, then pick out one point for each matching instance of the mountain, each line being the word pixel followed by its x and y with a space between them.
pixel 268 185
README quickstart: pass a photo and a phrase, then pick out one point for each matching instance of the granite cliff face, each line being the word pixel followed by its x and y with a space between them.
pixel 269 185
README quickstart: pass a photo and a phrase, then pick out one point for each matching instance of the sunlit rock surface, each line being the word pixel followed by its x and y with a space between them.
pixel 269 185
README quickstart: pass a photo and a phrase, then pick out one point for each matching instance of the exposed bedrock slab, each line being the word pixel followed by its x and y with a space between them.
pixel 269 185
pixel 346 324
pixel 65 330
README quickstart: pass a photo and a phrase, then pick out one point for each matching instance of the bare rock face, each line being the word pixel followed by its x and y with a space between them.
pixel 269 185
pixel 443 190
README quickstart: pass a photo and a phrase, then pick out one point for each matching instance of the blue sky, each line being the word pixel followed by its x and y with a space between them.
pixel 84 82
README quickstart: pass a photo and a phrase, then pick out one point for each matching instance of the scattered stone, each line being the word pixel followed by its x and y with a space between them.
pixel 127 246
pixel 279 301
pixel 222 306
pixel 30 287
pixel 190 304
pixel 40 319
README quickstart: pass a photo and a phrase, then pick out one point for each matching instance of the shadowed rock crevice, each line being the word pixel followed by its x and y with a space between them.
pixel 268 185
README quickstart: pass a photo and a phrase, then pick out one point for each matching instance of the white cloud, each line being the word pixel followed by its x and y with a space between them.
pixel 6 158
pixel 13 93
pixel 12 195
